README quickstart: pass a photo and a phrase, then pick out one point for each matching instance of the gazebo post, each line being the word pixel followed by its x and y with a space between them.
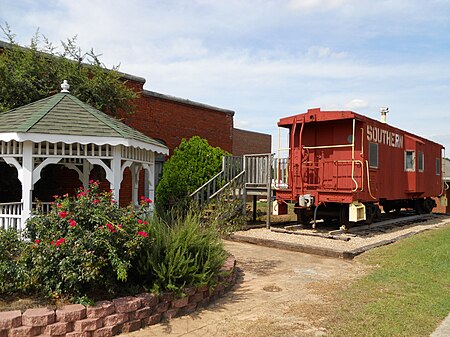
pixel 135 169
pixel 150 180
pixel 85 174
pixel 116 168
pixel 26 178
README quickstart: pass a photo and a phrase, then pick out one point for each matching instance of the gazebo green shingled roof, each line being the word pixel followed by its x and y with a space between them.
pixel 64 114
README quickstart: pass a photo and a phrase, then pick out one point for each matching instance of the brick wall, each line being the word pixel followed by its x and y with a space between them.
pixel 249 142
pixel 121 315
pixel 171 119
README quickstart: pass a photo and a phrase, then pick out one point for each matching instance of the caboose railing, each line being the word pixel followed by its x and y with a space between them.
pixel 335 175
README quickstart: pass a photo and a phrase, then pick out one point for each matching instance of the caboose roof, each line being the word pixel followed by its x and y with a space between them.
pixel 318 115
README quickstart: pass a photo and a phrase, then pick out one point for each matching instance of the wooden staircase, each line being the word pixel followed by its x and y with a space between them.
pixel 250 175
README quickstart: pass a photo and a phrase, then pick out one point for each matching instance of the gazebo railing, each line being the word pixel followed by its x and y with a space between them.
pixel 10 215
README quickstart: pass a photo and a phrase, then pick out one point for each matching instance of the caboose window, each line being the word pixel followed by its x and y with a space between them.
pixel 409 161
pixel 373 155
pixel 420 162
pixel 438 166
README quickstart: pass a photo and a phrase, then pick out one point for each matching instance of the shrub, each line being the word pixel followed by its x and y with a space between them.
pixel 12 267
pixel 86 242
pixel 192 164
pixel 225 213
pixel 182 253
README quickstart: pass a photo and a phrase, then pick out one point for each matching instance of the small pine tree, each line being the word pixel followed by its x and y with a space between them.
pixel 192 164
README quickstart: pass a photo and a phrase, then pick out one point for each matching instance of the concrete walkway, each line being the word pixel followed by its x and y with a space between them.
pixel 277 294
pixel 443 329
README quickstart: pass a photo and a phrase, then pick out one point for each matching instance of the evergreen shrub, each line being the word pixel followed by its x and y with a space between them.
pixel 182 253
pixel 192 164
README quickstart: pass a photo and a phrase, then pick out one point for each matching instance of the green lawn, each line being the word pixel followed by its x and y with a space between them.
pixel 406 294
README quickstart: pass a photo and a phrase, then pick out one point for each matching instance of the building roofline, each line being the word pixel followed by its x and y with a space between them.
pixel 142 80
pixel 186 101
pixel 260 133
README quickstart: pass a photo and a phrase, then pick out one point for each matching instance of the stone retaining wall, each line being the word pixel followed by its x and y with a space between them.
pixel 109 318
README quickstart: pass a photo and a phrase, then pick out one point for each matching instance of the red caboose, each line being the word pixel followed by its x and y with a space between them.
pixel 342 165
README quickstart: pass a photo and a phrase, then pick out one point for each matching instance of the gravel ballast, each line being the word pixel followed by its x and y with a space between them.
pixel 357 243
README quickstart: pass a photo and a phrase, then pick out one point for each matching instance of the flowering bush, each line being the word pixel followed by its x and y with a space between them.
pixel 12 271
pixel 85 243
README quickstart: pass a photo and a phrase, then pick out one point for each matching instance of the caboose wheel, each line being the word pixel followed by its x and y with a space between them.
pixel 304 218
pixel 428 205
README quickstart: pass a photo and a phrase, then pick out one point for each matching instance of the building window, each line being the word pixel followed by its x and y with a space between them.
pixel 438 166
pixel 410 165
pixel 373 155
pixel 420 162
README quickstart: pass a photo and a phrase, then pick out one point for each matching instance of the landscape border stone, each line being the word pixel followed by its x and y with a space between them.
pixel 110 318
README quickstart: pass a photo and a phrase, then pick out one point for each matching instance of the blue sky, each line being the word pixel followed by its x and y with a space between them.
pixel 269 59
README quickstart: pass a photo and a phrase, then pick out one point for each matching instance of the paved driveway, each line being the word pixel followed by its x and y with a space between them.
pixel 276 295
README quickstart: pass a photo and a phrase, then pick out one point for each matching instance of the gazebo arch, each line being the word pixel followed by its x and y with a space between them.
pixel 61 129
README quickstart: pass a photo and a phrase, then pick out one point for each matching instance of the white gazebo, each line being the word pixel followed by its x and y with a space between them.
pixel 63 130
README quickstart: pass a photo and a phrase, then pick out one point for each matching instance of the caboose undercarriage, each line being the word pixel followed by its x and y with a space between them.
pixel 348 215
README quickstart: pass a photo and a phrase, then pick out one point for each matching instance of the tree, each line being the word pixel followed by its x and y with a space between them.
pixel 192 164
pixel 29 74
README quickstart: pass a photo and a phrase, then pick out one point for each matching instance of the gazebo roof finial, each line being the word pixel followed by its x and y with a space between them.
pixel 65 86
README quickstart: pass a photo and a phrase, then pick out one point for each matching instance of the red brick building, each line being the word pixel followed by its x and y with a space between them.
pixel 250 142
pixel 170 119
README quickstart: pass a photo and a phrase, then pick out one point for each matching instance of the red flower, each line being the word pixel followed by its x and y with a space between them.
pixel 148 201
pixel 119 226
pixel 140 221
pixel 37 241
pixel 91 181
pixel 59 205
pixel 145 222
pixel 81 194
pixel 144 234
pixel 96 201
pixel 52 242
pixel 111 228
pixel 62 214
pixel 142 197
pixel 56 196
pixel 60 241
pixel 72 223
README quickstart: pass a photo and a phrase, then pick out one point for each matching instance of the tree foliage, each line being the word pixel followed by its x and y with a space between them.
pixel 29 74
pixel 192 164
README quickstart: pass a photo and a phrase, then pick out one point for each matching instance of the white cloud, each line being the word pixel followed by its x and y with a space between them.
pixel 266 59
pixel 317 4
pixel 357 104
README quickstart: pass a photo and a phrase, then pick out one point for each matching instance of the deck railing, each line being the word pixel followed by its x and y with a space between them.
pixel 247 172
pixel 280 173
pixel 231 167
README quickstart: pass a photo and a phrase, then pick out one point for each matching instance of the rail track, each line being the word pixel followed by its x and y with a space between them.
pixel 388 222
